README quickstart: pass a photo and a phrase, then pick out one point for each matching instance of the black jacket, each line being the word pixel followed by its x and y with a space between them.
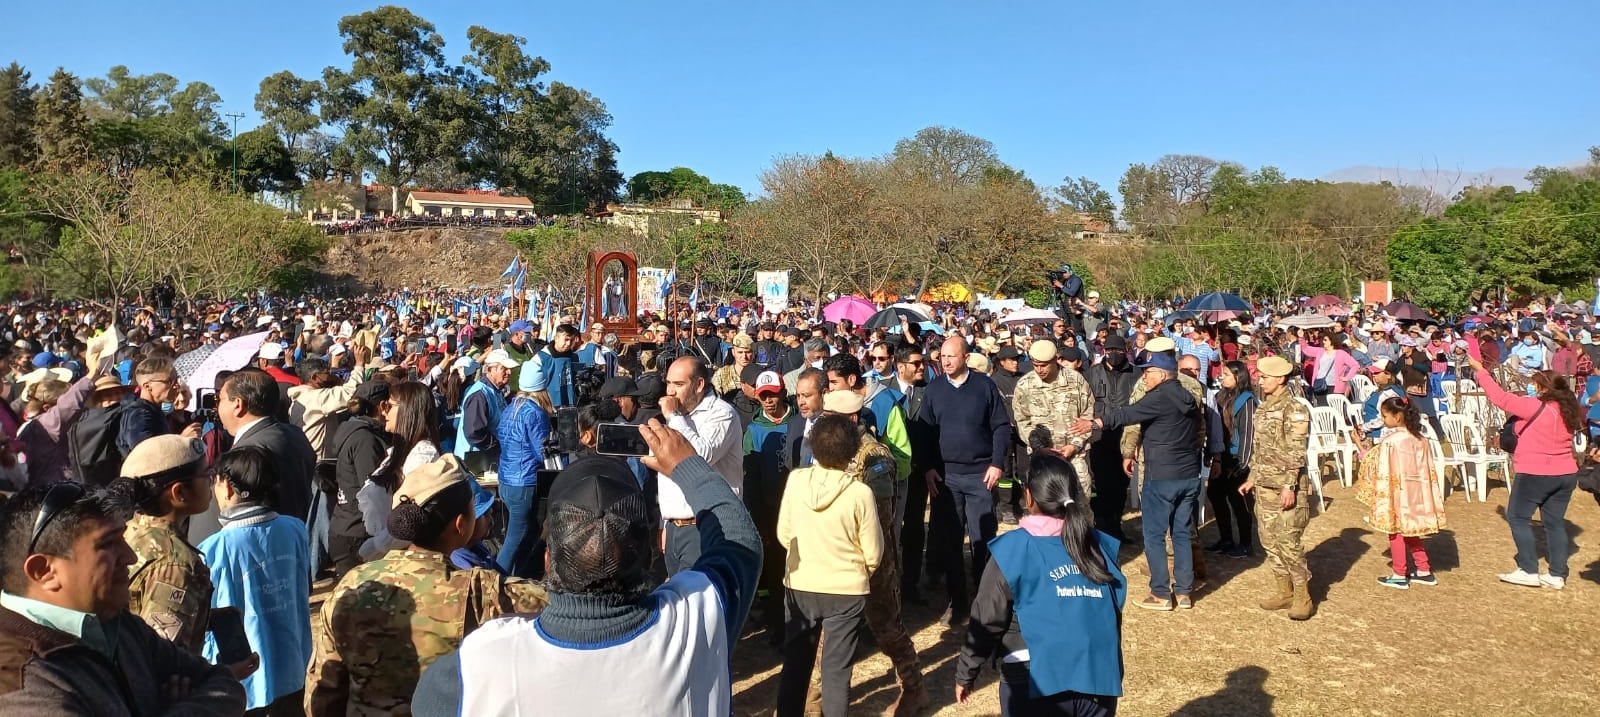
pixel 359 448
pixel 292 458
pixel 1171 424
pixel 924 437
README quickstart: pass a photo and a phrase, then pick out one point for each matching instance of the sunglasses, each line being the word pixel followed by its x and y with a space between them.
pixel 880 358
pixel 60 497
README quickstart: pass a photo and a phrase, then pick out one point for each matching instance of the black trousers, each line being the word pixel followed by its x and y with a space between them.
pixel 1110 483
pixel 838 620
pixel 1232 511
pixel 914 531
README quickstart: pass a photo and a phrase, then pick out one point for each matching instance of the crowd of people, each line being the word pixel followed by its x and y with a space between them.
pixel 425 221
pixel 452 481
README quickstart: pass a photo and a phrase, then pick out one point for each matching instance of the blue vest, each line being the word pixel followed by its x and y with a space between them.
pixel 1072 626
pixel 497 405
pixel 562 373
pixel 1369 408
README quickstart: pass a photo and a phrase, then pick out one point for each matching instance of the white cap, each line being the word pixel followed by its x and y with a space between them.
pixel 264 321
pixel 499 357
pixel 271 351
pixel 1094 294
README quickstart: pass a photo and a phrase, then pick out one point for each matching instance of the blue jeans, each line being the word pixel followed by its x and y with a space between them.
pixel 1550 495
pixel 975 509
pixel 519 553
pixel 1169 505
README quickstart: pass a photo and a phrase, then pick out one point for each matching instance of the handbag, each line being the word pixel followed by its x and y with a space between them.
pixel 1509 432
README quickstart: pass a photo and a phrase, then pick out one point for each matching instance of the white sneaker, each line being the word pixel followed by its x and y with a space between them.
pixel 1518 577
pixel 1551 581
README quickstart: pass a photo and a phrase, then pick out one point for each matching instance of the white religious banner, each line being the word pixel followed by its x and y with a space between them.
pixel 773 287
pixel 649 288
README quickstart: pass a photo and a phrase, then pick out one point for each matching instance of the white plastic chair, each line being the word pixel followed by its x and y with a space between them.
pixel 1477 455
pixel 1328 438
pixel 1360 387
pixel 1455 434
pixel 1448 387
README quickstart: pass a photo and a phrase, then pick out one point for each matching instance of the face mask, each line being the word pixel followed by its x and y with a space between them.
pixel 1528 342
pixel 1116 359
pixel 166 408
pixel 816 365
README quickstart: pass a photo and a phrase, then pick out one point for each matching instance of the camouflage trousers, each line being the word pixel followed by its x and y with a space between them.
pixel 1281 534
pixel 882 613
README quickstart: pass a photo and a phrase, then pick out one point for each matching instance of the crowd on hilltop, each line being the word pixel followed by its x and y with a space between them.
pixel 426 221
pixel 502 506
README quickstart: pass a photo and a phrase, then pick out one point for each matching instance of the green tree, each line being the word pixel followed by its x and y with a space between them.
pixel 288 106
pixel 684 183
pixel 16 117
pixel 265 164
pixel 389 102
pixel 1086 196
pixel 1429 264
pixel 61 129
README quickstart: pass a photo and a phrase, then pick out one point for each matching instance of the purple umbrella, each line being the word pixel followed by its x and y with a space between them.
pixel 1406 311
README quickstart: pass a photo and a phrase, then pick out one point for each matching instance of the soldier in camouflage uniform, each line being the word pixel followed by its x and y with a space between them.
pixel 1046 403
pixel 874 465
pixel 169 584
pixel 389 619
pixel 1277 474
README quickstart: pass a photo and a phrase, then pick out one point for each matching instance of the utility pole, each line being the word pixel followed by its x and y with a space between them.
pixel 235 116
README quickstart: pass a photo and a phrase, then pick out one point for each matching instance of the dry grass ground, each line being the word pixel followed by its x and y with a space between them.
pixel 1470 646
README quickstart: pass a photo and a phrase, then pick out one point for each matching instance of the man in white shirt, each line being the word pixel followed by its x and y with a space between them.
pixel 713 428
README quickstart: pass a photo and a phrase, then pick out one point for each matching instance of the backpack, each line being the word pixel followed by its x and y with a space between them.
pixel 92 445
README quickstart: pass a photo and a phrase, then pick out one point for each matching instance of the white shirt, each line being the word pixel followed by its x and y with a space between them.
pixel 246 429
pixel 676 663
pixel 713 429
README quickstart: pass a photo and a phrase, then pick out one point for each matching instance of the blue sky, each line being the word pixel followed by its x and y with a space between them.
pixel 1079 88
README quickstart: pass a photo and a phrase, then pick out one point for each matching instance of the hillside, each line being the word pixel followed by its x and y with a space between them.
pixel 451 256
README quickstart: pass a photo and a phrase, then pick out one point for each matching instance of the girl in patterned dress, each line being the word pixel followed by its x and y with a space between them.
pixel 1397 484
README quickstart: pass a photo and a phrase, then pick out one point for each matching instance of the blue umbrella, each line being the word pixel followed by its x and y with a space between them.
pixel 1217 301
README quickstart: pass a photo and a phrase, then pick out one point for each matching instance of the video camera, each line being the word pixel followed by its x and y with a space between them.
pixel 1065 283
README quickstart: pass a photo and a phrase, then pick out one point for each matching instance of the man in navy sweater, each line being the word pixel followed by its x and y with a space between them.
pixel 974 430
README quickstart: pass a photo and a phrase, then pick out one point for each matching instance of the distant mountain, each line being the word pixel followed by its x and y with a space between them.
pixel 1445 182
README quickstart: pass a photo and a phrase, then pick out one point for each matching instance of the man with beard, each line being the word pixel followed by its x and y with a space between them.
pixel 1111 381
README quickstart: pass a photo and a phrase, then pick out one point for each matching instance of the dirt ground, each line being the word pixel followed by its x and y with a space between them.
pixel 1469 646
pixel 449 255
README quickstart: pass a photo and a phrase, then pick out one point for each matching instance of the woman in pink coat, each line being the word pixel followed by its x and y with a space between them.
pixel 1331 367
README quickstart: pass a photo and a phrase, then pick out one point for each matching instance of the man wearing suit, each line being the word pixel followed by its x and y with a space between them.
pixel 809 387
pixel 910 379
pixel 245 406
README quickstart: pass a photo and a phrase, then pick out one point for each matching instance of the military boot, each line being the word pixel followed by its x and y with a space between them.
pixel 913 700
pixel 1302 609
pixel 1282 596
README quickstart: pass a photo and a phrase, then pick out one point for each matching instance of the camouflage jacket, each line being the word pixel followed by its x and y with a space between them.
pixel 389 619
pixel 169 585
pixel 1050 408
pixel 1130 434
pixel 1282 426
pixel 874 465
